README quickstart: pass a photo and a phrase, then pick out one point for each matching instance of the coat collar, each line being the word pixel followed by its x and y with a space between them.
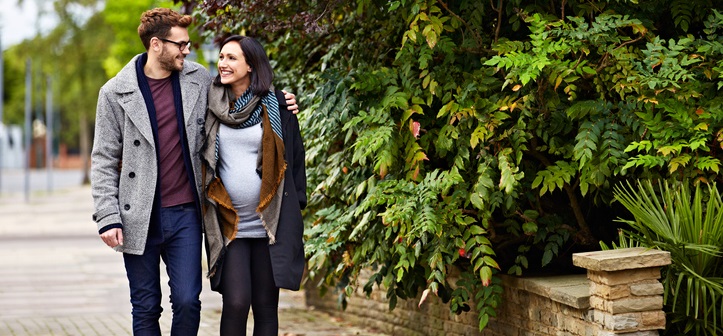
pixel 128 81
pixel 132 100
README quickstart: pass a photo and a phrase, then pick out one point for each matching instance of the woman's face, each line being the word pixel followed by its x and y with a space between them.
pixel 232 66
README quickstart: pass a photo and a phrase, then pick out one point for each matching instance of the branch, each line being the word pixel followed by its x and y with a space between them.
pixel 536 154
pixel 586 235
pixel 470 212
pixel 629 42
pixel 499 17
pixel 332 198
pixel 332 4
pixel 476 36
pixel 507 241
pixel 603 62
pixel 478 51
pixel 552 7
pixel 522 215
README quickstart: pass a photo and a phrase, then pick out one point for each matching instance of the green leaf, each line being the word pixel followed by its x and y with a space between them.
pixel 529 228
pixel 547 257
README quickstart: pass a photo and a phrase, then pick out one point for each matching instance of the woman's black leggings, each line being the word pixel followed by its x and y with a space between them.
pixel 247 281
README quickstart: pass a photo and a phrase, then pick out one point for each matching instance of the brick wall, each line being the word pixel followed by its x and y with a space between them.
pixel 604 302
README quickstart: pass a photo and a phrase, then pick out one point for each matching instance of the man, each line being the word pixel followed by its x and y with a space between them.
pixel 145 171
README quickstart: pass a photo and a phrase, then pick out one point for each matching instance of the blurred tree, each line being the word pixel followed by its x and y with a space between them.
pixel 14 85
pixel 71 54
pixel 83 39
pixel 90 44
pixel 123 16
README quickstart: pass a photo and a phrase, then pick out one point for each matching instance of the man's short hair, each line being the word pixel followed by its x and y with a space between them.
pixel 158 22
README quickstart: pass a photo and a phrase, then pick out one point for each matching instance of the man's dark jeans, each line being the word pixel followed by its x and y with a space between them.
pixel 177 239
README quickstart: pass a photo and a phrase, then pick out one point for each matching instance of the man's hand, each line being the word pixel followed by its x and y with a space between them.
pixel 112 237
pixel 291 102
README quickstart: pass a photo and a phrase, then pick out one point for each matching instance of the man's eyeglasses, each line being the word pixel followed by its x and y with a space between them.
pixel 183 45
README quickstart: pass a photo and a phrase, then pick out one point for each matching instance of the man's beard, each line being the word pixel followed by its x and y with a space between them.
pixel 168 62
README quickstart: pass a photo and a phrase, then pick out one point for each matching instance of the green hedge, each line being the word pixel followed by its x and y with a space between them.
pixel 484 135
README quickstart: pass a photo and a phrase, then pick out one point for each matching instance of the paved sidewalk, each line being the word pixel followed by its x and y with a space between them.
pixel 58 278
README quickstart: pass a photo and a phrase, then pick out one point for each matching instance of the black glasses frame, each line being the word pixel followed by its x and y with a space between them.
pixel 183 45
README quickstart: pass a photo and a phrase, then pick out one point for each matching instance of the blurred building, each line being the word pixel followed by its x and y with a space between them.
pixel 11 146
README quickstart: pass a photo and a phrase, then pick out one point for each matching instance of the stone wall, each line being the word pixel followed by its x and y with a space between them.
pixel 620 295
pixel 407 319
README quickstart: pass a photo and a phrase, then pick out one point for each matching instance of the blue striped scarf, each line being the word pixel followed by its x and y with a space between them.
pixel 272 106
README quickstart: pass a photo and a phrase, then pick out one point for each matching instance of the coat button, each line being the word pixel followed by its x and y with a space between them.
pixel 136 142
pixel 286 193
pixel 199 121
pixel 132 175
pixel 127 207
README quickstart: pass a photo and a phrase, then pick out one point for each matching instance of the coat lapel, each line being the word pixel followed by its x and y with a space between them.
pixel 136 110
pixel 190 91
pixel 131 100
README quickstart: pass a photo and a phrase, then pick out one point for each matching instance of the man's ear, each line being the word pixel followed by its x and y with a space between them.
pixel 155 44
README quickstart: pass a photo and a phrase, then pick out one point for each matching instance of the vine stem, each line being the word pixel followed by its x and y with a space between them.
pixel 499 17
pixel 585 233
pixel 476 36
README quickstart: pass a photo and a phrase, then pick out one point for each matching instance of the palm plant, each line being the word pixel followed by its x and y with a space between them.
pixel 690 227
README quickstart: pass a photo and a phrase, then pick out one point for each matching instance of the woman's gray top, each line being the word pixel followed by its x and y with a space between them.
pixel 237 154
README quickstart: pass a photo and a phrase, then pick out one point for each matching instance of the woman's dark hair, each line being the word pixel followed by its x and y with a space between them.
pixel 261 73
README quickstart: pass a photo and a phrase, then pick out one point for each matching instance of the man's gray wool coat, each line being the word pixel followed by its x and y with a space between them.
pixel 124 138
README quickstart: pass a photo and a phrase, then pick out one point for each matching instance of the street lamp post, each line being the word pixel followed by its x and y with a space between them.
pixel 28 130
pixel 2 104
pixel 49 133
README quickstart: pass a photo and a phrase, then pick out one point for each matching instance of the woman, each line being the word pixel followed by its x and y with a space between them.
pixel 255 188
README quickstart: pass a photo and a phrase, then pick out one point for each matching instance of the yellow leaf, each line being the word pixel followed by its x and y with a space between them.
pixel 432 39
pixel 673 167
pixel 702 126
pixel 516 87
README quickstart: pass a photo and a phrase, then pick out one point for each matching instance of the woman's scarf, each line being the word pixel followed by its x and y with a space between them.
pixel 247 110
pixel 247 101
